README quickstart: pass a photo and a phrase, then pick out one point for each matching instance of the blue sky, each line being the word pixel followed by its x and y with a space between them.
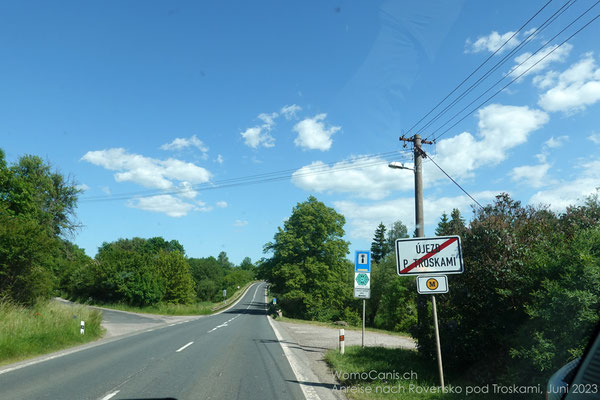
pixel 154 106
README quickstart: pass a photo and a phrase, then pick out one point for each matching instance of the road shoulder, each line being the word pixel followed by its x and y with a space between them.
pixel 305 346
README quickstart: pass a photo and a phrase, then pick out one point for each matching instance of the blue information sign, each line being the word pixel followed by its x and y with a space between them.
pixel 362 261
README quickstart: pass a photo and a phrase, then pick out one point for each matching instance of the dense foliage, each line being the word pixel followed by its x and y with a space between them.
pixel 308 269
pixel 143 272
pixel 530 296
pixel 37 213
pixel 36 210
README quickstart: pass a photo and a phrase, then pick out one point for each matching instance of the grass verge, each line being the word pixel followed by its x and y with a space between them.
pixel 332 325
pixel 383 373
pixel 48 326
pixel 203 308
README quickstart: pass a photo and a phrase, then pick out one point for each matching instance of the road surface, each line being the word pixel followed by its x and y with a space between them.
pixel 232 355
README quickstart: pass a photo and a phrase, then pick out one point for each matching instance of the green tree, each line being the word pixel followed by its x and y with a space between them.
pixel 25 248
pixel 126 271
pixel 223 260
pixel 308 269
pixel 31 188
pixel 209 278
pixel 177 279
pixel 378 245
pixel 453 226
pixel 247 264
pixel 397 231
pixel 36 207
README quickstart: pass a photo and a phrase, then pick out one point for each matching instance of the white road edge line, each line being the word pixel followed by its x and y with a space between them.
pixel 90 345
pixel 183 348
pixel 110 395
pixel 309 392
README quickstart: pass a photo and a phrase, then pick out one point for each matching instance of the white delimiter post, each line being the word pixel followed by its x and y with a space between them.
pixel 341 341
pixel 82 330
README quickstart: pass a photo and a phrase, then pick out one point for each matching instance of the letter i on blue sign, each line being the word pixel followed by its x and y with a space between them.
pixel 363 261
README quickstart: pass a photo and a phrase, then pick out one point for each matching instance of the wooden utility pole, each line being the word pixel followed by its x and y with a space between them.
pixel 419 154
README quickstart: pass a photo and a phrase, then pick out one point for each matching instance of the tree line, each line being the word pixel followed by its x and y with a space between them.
pixel 37 215
pixel 526 304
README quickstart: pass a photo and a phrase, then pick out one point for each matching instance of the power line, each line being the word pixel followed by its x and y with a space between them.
pixel 501 62
pixel 452 179
pixel 368 161
pixel 479 67
pixel 251 177
pixel 519 76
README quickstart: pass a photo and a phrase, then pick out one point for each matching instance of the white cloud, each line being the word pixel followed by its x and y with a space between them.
pixel 183 143
pixel 221 204
pixel 551 54
pixel 219 159
pixel 146 171
pixel 313 135
pixel 83 187
pixel 492 42
pixel 289 112
pixel 187 191
pixel 259 135
pixel 256 136
pixel 167 204
pixel 106 190
pixel 201 206
pixel 572 191
pixel 576 88
pixel 364 218
pixel 239 223
pixel 554 143
pixel 594 137
pixel 364 177
pixel 268 119
pixel 501 128
pixel 533 175
pixel 546 80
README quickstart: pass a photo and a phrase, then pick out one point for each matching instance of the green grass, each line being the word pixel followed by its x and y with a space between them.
pixel 203 308
pixel 382 373
pixel 164 309
pixel 332 325
pixel 48 326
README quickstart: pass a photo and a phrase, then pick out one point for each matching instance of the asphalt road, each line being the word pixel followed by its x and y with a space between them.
pixel 232 355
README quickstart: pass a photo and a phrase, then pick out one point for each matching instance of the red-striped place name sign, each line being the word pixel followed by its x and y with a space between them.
pixel 435 255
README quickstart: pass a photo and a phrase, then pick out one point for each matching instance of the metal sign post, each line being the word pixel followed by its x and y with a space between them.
pixel 363 325
pixel 432 258
pixel 362 282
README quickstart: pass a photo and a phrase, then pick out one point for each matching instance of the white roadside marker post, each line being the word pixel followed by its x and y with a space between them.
pixel 341 341
pixel 82 330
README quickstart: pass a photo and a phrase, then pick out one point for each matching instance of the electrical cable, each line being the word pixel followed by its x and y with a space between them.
pixel 479 67
pixel 260 178
pixel 501 62
pixel 456 183
pixel 515 79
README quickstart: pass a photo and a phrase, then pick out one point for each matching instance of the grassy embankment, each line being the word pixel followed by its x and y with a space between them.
pixel 383 373
pixel 203 308
pixel 48 326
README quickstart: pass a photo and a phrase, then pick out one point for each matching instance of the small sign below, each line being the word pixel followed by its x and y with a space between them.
pixel 362 293
pixel 430 284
